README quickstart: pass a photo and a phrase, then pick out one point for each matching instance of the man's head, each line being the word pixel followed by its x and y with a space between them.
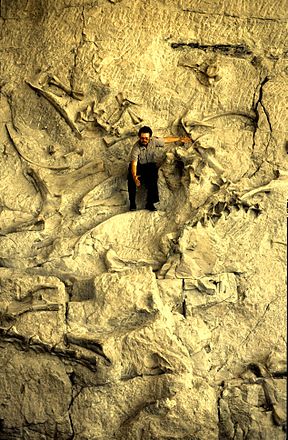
pixel 144 134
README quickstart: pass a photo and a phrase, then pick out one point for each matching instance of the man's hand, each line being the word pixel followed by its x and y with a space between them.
pixel 185 139
pixel 137 181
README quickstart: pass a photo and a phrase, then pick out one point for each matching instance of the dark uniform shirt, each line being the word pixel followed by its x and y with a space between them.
pixel 147 154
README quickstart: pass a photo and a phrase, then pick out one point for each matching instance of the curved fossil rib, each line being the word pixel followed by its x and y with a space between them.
pixel 17 141
pixel 57 103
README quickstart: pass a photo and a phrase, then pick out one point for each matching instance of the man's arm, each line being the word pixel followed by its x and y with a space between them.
pixel 170 139
pixel 134 172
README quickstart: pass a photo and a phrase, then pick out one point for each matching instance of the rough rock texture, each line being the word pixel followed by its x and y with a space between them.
pixel 138 325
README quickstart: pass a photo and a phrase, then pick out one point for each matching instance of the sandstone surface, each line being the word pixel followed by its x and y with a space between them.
pixel 143 325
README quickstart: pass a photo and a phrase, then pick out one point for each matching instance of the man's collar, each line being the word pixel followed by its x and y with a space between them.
pixel 143 146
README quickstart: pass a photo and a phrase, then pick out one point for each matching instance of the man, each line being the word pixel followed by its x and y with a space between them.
pixel 143 168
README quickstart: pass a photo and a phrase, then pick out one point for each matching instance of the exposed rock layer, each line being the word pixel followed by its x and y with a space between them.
pixel 139 325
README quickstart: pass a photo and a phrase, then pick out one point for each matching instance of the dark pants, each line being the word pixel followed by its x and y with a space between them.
pixel 148 177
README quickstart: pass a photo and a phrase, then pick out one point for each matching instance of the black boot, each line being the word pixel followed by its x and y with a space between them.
pixel 151 207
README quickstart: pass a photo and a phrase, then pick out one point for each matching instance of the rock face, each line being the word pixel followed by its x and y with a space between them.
pixel 143 325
